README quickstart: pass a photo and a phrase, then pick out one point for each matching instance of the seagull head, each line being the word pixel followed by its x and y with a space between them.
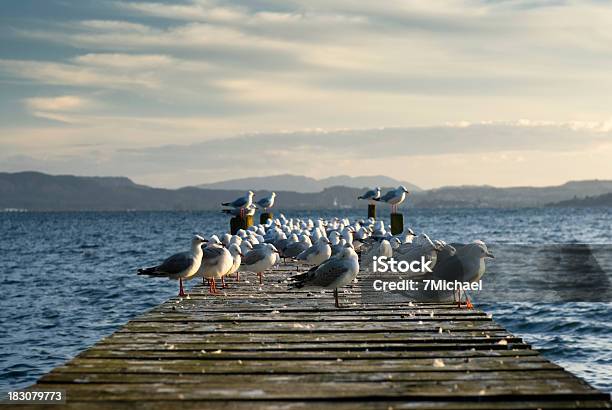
pixel 402 188
pixel 484 251
pixel 198 240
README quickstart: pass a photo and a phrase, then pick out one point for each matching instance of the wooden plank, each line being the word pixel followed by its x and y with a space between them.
pixel 267 347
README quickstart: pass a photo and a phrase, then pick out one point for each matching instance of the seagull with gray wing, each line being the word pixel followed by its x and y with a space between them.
pixel 259 260
pixel 179 266
pixel 241 204
pixel 267 202
pixel 394 197
pixel 216 263
pixel 317 253
pixel 371 195
pixel 331 274
pixel 466 265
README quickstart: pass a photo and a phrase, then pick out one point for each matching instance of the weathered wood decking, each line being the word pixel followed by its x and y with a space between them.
pixel 293 350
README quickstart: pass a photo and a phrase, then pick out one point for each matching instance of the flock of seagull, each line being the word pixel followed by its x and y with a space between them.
pixel 332 248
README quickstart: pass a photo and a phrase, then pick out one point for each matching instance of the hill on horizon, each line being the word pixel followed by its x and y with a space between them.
pixel 299 183
pixel 36 191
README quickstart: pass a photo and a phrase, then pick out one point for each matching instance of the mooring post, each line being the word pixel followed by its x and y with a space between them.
pixel 397 223
pixel 263 218
pixel 237 223
pixel 372 211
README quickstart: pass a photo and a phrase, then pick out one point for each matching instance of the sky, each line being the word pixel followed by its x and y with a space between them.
pixel 186 92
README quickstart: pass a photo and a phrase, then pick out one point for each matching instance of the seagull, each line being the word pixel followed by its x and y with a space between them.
pixel 242 204
pixel 179 266
pixel 267 202
pixel 394 197
pixel 236 253
pixel 466 265
pixel 216 263
pixel 296 248
pixel 371 195
pixel 259 260
pixel 331 274
pixel 317 253
pixel 247 210
pixel 421 247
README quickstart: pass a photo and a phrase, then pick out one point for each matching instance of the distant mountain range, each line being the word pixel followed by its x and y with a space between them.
pixel 35 191
pixel 590 201
pixel 298 183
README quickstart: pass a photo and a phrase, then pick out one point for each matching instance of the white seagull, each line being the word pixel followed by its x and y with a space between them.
pixel 242 204
pixel 267 202
pixel 179 266
pixel 395 197
pixel 371 195
pixel 332 274
pixel 259 260
pixel 466 265
pixel 317 253
pixel 216 263
pixel 236 253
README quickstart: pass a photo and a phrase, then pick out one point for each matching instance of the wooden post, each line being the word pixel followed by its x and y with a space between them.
pixel 237 223
pixel 397 223
pixel 263 218
pixel 372 211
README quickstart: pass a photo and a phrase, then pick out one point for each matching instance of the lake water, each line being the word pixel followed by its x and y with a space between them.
pixel 68 279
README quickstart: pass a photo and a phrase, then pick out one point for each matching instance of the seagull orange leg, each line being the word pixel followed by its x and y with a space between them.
pixel 223 284
pixel 237 276
pixel 468 302
pixel 337 303
pixel 260 274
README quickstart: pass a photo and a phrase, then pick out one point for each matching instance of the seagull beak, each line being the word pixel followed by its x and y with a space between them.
pixel 490 255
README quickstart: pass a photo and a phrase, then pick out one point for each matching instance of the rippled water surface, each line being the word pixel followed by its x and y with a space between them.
pixel 68 279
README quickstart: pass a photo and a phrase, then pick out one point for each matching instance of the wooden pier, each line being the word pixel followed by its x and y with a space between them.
pixel 277 349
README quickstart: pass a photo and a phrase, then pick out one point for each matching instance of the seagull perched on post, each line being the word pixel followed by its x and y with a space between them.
pixel 242 203
pixel 394 197
pixel 331 274
pixel 267 201
pixel 179 266
pixel 247 210
pixel 371 195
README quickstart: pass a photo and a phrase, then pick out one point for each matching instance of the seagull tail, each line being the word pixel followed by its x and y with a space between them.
pixel 225 203
pixel 150 271
pixel 361 197
pixel 301 279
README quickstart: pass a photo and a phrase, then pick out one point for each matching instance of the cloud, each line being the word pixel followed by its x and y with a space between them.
pixel 222 78
pixel 62 103
pixel 47 72
pixel 484 153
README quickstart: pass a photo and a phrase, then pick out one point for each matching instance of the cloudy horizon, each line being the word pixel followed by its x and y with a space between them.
pixel 188 92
